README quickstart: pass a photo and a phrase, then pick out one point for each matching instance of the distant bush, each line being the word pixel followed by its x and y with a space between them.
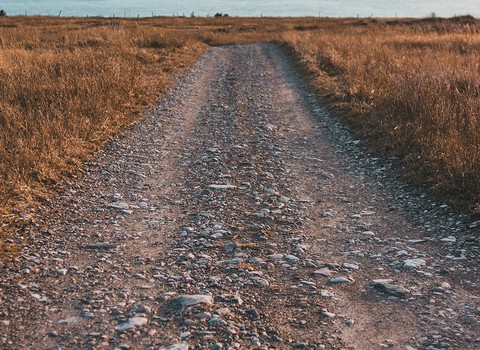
pixel 218 14
pixel 2 13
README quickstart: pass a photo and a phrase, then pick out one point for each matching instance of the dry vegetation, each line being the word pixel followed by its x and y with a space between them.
pixel 409 87
pixel 67 86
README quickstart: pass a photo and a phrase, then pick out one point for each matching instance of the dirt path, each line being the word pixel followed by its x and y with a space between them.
pixel 240 215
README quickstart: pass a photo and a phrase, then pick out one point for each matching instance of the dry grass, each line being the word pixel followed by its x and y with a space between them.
pixel 411 89
pixel 68 85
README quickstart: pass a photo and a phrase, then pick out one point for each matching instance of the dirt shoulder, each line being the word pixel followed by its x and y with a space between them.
pixel 240 215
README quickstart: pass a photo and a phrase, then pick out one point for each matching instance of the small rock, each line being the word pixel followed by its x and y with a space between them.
pixel 221 187
pixel 181 302
pixel 260 281
pixel 275 256
pixel 389 289
pixel 178 346
pixel 323 272
pixel 413 263
pixel 252 314
pixel 449 239
pixel 236 300
pixel 217 321
pixel 291 258
pixel 328 314
pixel 203 315
pixel 339 280
pixel 134 322
pixel 62 272
pixel 255 341
pixel 414 241
pixel 118 206
pixel 185 335
pixel 326 294
pixel 351 266
pixel 223 311
pixel 101 246
pixel 116 197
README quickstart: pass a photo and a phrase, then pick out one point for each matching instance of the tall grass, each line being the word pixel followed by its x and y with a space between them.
pixel 67 87
pixel 412 91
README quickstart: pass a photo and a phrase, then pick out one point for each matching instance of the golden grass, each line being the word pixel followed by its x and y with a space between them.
pixel 411 90
pixel 68 85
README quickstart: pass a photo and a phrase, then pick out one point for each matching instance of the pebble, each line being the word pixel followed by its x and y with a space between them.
pixel 132 323
pixel 101 246
pixel 118 206
pixel 323 272
pixel 185 335
pixel 449 239
pixel 62 272
pixel 385 286
pixel 339 280
pixel 275 256
pixel 178 346
pixel 326 294
pixel 413 263
pixel 291 258
pixel 179 303
pixel 351 266
pixel 222 187
pixel 328 314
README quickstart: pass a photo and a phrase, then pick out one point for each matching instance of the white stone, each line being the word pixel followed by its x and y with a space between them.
pixel 413 263
pixel 221 187
pixel 134 322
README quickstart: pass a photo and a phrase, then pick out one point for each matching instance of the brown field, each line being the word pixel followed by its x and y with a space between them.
pixel 410 88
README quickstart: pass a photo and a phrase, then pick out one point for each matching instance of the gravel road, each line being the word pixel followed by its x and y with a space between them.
pixel 238 214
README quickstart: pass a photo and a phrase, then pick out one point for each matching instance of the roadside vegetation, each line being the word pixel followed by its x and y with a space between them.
pixel 409 88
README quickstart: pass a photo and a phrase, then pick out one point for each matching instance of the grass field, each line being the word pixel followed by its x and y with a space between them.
pixel 409 88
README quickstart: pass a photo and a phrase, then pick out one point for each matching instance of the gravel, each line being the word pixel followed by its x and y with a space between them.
pixel 238 214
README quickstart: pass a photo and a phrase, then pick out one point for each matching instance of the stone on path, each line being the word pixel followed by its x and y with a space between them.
pixel 323 272
pixel 179 303
pixel 118 206
pixel 385 286
pixel 179 346
pixel 134 322
pixel 221 187
pixel 413 263
pixel 101 246
pixel 351 266
pixel 339 280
